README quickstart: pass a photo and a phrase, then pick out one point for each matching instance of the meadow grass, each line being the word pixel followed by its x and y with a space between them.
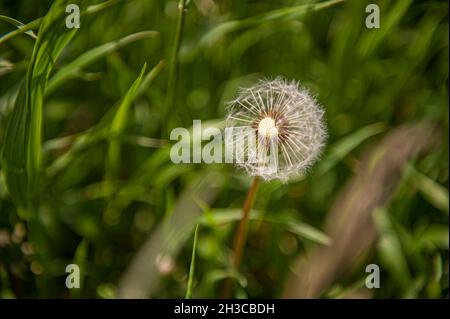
pixel 86 175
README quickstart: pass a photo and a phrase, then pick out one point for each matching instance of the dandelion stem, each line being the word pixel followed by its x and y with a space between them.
pixel 239 238
pixel 240 235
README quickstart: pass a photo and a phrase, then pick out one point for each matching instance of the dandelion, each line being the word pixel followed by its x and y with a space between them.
pixel 288 124
pixel 288 127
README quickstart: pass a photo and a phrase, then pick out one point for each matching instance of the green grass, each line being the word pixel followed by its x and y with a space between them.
pixel 192 267
pixel 85 166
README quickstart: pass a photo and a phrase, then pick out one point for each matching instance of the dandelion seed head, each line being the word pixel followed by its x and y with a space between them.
pixel 282 113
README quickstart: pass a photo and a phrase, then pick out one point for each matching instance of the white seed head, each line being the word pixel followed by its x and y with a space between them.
pixel 282 113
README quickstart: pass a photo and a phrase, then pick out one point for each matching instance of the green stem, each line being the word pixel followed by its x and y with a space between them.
pixel 192 267
pixel 240 235
pixel 173 73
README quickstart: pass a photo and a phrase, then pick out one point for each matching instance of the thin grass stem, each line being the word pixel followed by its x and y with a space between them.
pixel 173 72
pixel 192 267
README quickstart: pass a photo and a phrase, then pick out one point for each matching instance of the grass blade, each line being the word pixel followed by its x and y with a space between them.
pixel 80 259
pixel 23 29
pixel 100 131
pixel 118 125
pixel 33 25
pixel 173 72
pixel 371 40
pixel 192 268
pixel 285 13
pixel 21 156
pixel 18 24
pixel 71 69
pixel 436 194
pixel 302 229
pixel 307 231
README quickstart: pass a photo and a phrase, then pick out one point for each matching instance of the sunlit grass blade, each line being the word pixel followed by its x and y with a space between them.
pixel 118 124
pixel 290 13
pixel 34 25
pixel 307 231
pixel 173 71
pixel 100 6
pixel 73 68
pixel 436 194
pixel 390 249
pixel 17 24
pixel 192 267
pixel 80 259
pixel 370 40
pixel 148 79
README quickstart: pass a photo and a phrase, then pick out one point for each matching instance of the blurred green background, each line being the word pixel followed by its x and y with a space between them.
pixel 110 200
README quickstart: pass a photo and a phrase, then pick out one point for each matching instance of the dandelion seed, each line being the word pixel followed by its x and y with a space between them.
pixel 288 124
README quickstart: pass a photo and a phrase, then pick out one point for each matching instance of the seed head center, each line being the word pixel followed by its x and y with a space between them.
pixel 267 128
